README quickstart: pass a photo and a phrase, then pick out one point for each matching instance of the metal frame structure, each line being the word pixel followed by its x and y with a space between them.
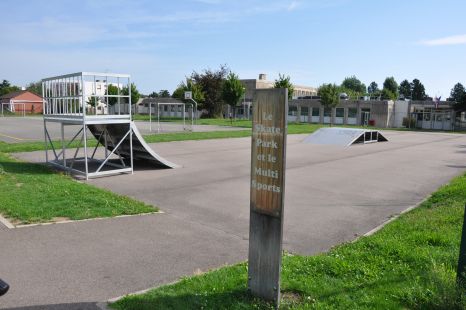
pixel 73 100
pixel 170 104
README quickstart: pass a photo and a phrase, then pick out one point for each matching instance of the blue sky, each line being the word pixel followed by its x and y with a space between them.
pixel 161 42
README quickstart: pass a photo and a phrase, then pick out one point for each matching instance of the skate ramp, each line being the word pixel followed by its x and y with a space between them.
pixel 344 136
pixel 142 152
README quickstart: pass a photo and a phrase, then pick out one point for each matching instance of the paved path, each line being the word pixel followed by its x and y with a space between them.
pixel 27 129
pixel 332 195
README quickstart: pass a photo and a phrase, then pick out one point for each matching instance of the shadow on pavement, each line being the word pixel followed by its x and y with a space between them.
pixel 68 306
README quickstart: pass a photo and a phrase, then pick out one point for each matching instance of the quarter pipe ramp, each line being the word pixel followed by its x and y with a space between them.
pixel 110 135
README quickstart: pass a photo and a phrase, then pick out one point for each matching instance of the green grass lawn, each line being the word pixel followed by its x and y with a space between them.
pixel 409 264
pixel 32 193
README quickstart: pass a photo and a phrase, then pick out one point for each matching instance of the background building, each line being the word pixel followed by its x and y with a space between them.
pixel 21 102
pixel 378 113
pixel 251 85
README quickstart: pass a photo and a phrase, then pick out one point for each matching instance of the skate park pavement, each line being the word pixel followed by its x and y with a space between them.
pixel 333 194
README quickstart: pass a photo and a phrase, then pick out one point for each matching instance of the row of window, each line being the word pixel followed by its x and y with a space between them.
pixel 339 112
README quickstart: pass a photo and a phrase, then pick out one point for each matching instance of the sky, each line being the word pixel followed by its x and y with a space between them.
pixel 161 42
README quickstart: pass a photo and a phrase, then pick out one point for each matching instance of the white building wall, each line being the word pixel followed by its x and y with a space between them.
pixel 401 111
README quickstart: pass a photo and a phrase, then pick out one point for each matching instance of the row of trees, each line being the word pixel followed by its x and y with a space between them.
pixel 6 87
pixel 354 88
pixel 214 88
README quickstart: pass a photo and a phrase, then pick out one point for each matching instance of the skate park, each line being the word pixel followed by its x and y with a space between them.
pixel 205 216
pixel 334 194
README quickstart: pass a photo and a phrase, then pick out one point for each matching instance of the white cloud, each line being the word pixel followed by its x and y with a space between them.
pixel 293 5
pixel 451 40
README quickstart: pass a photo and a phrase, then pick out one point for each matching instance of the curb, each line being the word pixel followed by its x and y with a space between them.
pixel 6 222
pixel 11 226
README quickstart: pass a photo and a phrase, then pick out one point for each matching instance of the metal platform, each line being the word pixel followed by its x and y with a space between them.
pixel 99 103
pixel 344 136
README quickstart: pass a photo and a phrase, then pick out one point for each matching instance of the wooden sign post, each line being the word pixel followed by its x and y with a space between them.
pixel 269 129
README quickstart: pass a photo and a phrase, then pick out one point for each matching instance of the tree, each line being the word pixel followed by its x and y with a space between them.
pixel 373 88
pixel 164 93
pixel 232 90
pixel 153 94
pixel 134 93
pixel 112 90
pixel 390 88
pixel 35 87
pixel 6 87
pixel 211 83
pixel 405 89
pixel 457 92
pixel 284 82
pixel 189 85
pixel 419 91
pixel 387 94
pixel 329 97
pixel 354 84
pixel 92 100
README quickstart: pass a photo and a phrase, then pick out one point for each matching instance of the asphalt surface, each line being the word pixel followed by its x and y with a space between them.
pixel 333 194
pixel 27 129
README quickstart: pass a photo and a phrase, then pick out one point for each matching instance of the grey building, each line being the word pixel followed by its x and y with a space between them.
pixel 379 113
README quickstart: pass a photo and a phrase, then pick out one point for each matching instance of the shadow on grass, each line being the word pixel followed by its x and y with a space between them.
pixel 235 299
pixel 239 299
pixel 23 168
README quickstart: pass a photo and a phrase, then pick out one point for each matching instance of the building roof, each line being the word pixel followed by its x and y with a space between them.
pixel 18 93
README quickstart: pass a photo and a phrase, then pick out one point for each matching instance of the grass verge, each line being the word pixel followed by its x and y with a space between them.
pixel 409 264
pixel 32 193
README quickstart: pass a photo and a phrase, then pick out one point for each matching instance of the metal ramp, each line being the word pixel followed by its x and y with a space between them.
pixel 344 136
pixel 114 138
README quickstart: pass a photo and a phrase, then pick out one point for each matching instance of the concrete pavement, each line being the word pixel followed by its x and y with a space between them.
pixel 333 194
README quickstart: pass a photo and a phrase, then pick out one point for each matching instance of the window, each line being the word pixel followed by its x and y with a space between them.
pixel 305 111
pixel 292 111
pixel 316 112
pixel 352 112
pixel 327 112
pixel 340 112
pixel 165 108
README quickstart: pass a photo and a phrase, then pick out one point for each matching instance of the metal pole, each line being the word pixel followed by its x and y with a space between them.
pixel 46 144
pixel 130 103
pixel 84 128
pixel 131 145
pixel 150 116
pixel 118 82
pixel 63 144
pixel 158 117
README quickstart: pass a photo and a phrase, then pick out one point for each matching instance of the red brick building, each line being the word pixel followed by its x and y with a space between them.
pixel 21 101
